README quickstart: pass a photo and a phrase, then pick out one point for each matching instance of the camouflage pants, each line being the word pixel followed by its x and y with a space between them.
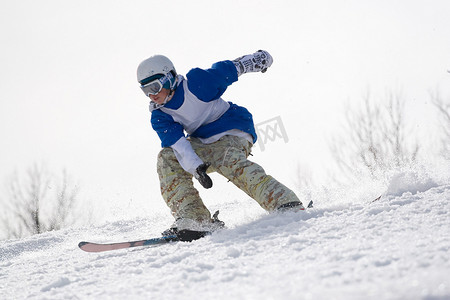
pixel 228 157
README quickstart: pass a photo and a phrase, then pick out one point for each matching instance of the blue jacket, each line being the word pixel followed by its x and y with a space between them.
pixel 197 107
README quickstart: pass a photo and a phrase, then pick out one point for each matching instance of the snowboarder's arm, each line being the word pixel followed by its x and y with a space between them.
pixel 210 84
pixel 190 162
pixel 168 130
pixel 186 156
pixel 171 134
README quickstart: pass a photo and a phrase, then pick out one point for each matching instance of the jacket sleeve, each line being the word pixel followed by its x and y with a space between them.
pixel 167 129
pixel 211 83
pixel 171 135
pixel 186 156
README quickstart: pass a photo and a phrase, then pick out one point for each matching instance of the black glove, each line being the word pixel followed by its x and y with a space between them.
pixel 202 177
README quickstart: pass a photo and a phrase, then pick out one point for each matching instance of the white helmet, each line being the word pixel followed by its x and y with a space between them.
pixel 157 64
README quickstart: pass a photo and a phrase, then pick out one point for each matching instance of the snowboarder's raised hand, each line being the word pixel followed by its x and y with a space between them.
pixel 256 62
pixel 202 177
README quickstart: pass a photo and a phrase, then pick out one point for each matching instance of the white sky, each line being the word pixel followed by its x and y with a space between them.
pixel 69 95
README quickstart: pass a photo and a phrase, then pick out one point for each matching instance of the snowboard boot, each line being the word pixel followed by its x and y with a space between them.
pixel 187 230
pixel 291 207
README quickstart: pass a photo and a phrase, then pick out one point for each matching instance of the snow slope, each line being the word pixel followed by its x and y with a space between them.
pixel 395 248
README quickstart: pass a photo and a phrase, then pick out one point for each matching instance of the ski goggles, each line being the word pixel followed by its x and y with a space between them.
pixel 156 85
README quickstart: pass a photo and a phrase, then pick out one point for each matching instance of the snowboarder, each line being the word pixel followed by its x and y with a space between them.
pixel 220 137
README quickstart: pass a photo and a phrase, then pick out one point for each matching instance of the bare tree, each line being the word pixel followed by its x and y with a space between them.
pixel 38 202
pixel 443 109
pixel 375 139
